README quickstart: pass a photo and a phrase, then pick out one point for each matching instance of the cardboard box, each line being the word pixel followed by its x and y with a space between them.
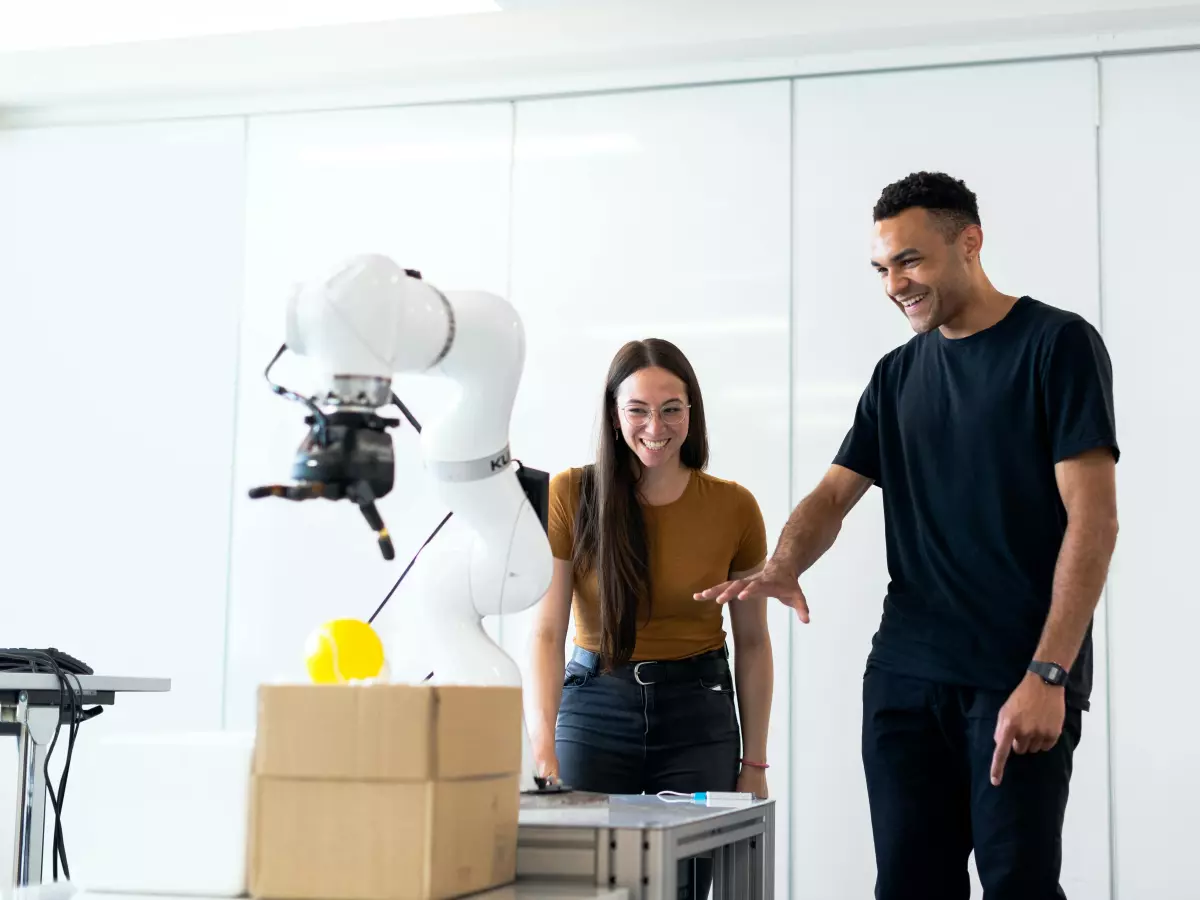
pixel 384 792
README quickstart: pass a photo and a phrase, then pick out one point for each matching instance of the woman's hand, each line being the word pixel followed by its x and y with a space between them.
pixel 753 780
pixel 547 764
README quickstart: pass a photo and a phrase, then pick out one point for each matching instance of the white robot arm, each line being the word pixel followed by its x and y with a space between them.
pixel 366 322
pixel 372 319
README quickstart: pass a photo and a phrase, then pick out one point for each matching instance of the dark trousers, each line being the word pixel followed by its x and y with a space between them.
pixel 667 727
pixel 927 751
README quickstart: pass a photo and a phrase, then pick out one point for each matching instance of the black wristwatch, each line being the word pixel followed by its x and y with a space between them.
pixel 1051 673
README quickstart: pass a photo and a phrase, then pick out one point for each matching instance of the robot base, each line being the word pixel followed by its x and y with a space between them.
pixel 458 653
pixel 442 641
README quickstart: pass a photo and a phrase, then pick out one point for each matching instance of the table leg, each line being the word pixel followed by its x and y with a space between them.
pixel 762 859
pixel 662 868
pixel 744 852
pixel 722 888
pixel 37 730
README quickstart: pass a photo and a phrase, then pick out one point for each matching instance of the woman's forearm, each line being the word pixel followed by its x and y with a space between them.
pixel 754 672
pixel 549 660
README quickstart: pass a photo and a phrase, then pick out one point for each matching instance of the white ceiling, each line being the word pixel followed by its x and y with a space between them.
pixel 59 24
pixel 535 47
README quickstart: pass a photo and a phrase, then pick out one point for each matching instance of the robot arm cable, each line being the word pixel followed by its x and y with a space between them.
pixel 411 563
pixel 321 423
pixel 408 415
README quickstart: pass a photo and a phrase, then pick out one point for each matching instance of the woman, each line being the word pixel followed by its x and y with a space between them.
pixel 647 700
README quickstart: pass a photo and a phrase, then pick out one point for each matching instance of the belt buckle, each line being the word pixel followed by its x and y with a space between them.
pixel 637 672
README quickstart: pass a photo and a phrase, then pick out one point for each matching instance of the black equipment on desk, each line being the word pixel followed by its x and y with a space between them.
pixel 67 669
pixel 22 660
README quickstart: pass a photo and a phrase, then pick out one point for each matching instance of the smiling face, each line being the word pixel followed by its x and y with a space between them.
pixel 652 413
pixel 924 274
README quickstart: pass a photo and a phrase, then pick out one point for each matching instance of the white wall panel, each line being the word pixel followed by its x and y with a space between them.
pixel 660 214
pixel 1022 137
pixel 430 187
pixel 120 255
pixel 1150 190
pixel 121 265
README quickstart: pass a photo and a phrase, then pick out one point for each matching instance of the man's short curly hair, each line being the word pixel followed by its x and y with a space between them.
pixel 948 200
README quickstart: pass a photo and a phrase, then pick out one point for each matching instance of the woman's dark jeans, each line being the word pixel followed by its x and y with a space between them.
pixel 650 727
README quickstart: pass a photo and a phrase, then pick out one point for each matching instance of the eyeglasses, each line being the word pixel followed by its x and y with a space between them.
pixel 670 413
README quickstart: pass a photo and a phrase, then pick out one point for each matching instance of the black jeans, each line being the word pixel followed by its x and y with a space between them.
pixel 927 751
pixel 664 727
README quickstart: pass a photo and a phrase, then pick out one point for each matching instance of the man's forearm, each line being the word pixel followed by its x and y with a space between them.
pixel 754 671
pixel 811 529
pixel 1079 578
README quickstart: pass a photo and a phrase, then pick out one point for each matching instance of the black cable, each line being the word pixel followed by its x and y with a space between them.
pixel 411 563
pixel 60 846
pixel 408 415
pixel 320 420
pixel 412 420
pixel 65 691
pixel 35 657
pixel 78 717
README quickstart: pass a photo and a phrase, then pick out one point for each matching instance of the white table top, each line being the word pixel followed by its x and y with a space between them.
pixel 28 681
pixel 583 810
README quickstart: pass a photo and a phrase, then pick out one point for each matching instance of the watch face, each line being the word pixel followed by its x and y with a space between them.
pixel 1051 673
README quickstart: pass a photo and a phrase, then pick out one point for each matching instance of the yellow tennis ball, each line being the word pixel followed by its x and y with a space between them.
pixel 343 650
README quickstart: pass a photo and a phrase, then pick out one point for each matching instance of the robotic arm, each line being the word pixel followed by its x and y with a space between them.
pixel 372 319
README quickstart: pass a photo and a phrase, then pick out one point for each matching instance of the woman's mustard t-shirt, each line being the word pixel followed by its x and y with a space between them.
pixel 715 528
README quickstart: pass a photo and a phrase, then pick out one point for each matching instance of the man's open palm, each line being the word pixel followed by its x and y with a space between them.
pixel 770 582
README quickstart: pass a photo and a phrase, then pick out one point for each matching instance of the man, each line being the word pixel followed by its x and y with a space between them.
pixel 991 433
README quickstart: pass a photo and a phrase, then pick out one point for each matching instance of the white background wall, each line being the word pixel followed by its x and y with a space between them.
pixel 144 266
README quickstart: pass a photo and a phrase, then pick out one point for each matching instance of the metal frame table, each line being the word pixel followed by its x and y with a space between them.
pixel 30 710
pixel 637 842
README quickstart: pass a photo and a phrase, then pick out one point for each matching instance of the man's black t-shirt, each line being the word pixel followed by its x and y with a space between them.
pixel 962 436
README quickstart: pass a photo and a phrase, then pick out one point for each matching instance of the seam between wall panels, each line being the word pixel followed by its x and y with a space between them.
pixel 237 372
pixel 501 630
pixel 790 812
pixel 1097 87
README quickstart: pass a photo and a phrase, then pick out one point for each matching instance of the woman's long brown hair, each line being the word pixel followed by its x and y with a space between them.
pixel 610 530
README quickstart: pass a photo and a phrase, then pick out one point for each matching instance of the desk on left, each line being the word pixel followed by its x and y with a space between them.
pixel 30 709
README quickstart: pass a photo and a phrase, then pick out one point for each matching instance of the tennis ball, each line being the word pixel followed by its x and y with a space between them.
pixel 343 650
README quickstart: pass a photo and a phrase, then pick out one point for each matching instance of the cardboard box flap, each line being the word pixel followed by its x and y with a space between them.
pixel 478 732
pixel 361 732
pixel 387 732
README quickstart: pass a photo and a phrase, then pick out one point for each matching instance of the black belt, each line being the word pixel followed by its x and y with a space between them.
pixel 713 663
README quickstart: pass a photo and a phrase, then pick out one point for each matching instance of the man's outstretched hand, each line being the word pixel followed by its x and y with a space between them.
pixel 772 581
